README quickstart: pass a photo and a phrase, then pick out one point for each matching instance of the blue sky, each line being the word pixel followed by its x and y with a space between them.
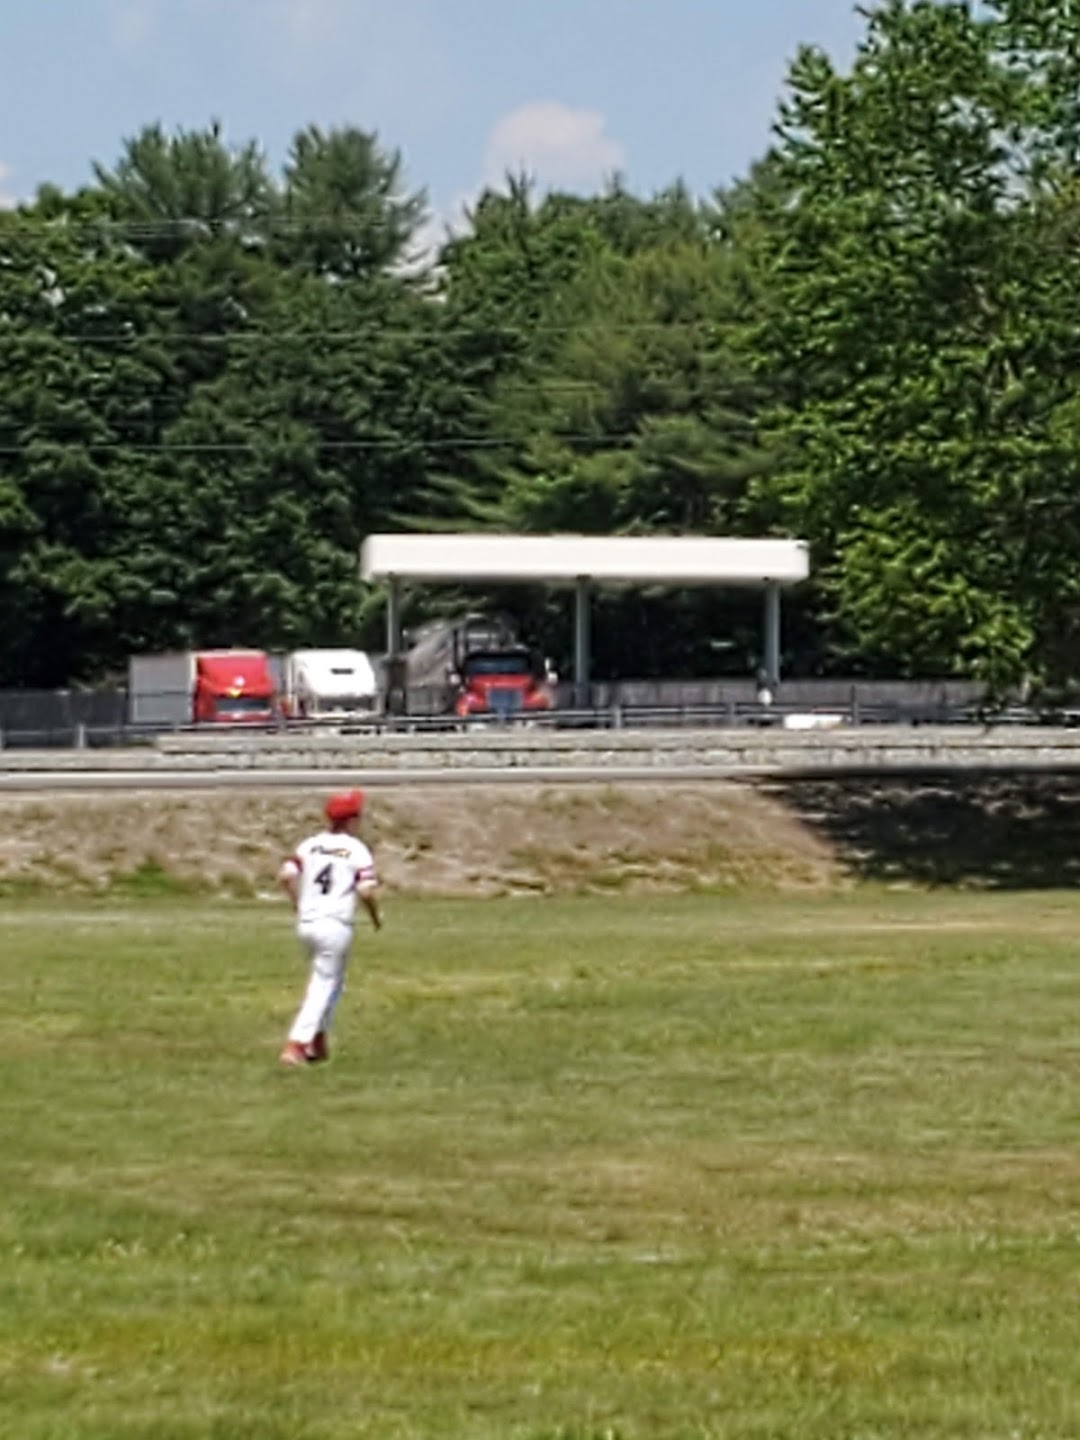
pixel 572 90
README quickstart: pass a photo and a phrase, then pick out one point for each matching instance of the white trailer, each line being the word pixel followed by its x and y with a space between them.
pixel 330 686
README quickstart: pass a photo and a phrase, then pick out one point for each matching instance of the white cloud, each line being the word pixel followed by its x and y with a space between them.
pixel 376 63
pixel 307 23
pixel 563 147
pixel 132 24
pixel 440 224
pixel 554 144
pixel 8 199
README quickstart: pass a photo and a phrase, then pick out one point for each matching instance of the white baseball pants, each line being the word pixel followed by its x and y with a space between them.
pixel 327 943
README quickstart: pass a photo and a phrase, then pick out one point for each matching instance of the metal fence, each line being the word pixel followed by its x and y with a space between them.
pixel 98 718
pixel 62 718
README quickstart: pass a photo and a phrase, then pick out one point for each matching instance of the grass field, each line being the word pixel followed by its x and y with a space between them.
pixel 581 1168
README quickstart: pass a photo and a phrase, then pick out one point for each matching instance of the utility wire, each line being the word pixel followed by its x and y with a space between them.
pixel 213 447
pixel 9 331
pixel 258 226
pixel 255 226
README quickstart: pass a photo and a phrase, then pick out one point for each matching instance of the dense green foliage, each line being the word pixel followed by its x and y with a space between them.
pixel 216 380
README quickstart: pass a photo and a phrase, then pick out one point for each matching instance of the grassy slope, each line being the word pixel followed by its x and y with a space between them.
pixel 468 839
pixel 661 1167
pixel 995 831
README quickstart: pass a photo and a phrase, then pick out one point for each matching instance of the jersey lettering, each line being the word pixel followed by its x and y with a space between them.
pixel 331 866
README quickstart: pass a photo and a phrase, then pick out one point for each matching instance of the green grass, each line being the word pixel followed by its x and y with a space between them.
pixel 697 1167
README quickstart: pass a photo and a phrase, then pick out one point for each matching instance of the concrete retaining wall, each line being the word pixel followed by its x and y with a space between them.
pixel 710 752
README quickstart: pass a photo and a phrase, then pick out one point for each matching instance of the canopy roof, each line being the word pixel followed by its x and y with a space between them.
pixel 561 559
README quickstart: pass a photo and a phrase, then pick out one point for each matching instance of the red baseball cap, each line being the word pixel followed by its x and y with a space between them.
pixel 347 805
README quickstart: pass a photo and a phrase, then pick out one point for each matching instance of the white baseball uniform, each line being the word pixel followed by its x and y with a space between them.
pixel 330 868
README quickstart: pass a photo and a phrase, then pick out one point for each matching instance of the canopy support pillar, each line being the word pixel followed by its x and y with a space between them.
pixel 393 617
pixel 582 662
pixel 772 635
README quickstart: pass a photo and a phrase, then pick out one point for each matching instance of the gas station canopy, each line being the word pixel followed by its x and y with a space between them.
pixel 604 559
pixel 585 562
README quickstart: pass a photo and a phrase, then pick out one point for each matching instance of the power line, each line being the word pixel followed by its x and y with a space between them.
pixel 418 333
pixel 118 393
pixel 228 447
pixel 257 226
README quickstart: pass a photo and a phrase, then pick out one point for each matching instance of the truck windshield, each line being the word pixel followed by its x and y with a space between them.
pixel 517 665
pixel 242 705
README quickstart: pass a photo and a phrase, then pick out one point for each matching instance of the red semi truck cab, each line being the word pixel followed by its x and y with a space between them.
pixel 501 682
pixel 233 687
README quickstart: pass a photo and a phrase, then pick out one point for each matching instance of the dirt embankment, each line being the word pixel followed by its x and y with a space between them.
pixel 1019 832
pixel 447 840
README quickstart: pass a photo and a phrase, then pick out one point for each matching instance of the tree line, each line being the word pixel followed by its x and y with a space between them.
pixel 216 380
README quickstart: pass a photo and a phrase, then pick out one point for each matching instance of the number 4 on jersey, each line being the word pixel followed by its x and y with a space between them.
pixel 325 878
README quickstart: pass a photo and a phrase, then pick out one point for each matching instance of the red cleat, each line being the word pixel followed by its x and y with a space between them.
pixel 318 1050
pixel 293 1054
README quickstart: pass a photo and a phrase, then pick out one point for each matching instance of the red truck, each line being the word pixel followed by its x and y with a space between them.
pixel 199 687
pixel 475 665
pixel 500 682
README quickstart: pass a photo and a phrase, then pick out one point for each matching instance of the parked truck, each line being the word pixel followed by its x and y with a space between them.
pixel 502 682
pixel 477 666
pixel 330 686
pixel 199 687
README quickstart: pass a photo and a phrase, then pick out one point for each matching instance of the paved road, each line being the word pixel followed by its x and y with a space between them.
pixel 135 780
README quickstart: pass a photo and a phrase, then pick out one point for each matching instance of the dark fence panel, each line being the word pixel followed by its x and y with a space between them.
pixel 61 718
pixel 67 718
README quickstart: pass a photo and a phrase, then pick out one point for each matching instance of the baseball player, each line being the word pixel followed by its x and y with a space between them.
pixel 324 878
